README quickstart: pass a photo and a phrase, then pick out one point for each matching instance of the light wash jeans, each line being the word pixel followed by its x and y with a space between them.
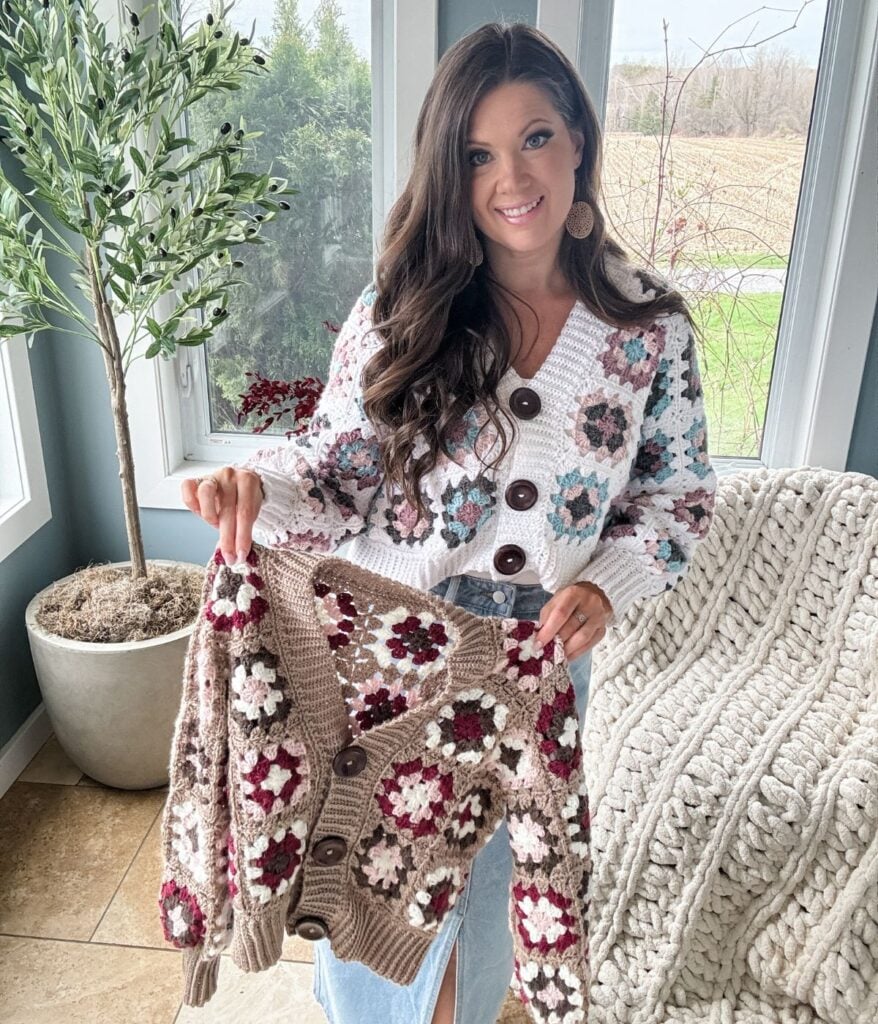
pixel 350 992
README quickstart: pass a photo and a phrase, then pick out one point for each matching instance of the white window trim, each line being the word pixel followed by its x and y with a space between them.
pixel 832 285
pixel 23 468
pixel 404 56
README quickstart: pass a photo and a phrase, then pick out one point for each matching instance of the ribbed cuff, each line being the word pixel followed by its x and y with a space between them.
pixel 257 942
pixel 199 976
pixel 271 525
pixel 622 578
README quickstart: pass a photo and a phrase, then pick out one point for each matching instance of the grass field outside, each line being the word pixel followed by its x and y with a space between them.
pixel 727 204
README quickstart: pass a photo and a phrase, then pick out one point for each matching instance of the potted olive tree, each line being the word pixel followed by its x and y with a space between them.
pixel 148 220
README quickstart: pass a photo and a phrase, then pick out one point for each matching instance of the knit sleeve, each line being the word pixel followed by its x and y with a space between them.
pixel 547 816
pixel 318 486
pixel 653 526
pixel 194 902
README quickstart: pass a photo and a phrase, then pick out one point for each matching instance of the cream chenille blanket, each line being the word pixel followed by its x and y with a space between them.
pixel 731 759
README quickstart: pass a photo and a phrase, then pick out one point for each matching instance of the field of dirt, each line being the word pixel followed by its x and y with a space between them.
pixel 736 194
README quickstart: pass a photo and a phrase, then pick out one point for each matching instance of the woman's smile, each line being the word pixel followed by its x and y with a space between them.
pixel 524 215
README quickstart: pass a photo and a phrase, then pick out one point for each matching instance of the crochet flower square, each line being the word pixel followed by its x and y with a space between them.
pixel 471 435
pixel 439 894
pixel 377 699
pixel 469 819
pixel 235 598
pixel 602 426
pixel 468 727
pixel 623 517
pixel 579 504
pixel 531 838
pixel 412 642
pixel 404 525
pixel 187 840
pixel 667 553
pixel 257 691
pixel 274 777
pixel 515 760
pixel 558 725
pixel 194 767
pixel 631 356
pixel 659 397
pixel 181 916
pixel 577 815
pixel 352 456
pixel 416 796
pixel 552 992
pixel 383 863
pixel 695 509
pixel 524 662
pixel 466 507
pixel 696 450
pixel 543 919
pixel 654 459
pixel 336 614
pixel 271 861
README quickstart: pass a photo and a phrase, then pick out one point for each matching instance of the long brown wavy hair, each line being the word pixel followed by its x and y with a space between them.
pixel 445 344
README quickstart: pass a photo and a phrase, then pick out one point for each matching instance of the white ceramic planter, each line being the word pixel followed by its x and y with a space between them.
pixel 113 706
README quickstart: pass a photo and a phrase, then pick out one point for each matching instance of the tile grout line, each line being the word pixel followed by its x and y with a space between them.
pixel 127 869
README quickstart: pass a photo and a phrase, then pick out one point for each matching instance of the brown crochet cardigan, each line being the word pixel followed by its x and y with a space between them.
pixel 344 747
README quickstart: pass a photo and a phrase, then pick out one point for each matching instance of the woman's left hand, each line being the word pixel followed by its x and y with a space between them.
pixel 558 616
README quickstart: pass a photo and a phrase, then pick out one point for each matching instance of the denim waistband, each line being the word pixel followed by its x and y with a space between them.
pixel 490 597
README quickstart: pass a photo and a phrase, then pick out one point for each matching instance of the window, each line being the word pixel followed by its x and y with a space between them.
pixel 24 492
pixel 735 140
pixel 781 373
pixel 337 112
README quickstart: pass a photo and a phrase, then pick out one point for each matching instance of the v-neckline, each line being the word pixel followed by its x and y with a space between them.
pixel 562 337
pixel 326 714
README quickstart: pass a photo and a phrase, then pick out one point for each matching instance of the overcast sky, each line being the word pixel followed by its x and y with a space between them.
pixel 693 25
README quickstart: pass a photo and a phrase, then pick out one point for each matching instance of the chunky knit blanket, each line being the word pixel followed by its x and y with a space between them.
pixel 731 760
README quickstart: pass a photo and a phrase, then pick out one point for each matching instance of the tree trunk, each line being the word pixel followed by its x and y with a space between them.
pixel 116 377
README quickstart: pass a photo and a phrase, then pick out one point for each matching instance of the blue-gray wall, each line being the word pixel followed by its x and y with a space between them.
pixel 88 525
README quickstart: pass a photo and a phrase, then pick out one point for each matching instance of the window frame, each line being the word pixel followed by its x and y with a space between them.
pixel 831 291
pixel 22 462
pixel 167 398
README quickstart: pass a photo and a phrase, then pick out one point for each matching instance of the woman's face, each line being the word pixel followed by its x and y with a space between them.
pixel 519 150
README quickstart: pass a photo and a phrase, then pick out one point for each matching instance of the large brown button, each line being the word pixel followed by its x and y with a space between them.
pixel 525 403
pixel 311 928
pixel 521 494
pixel 509 559
pixel 349 761
pixel 329 850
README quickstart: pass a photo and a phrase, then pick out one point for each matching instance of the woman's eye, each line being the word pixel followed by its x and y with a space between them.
pixel 481 152
pixel 540 135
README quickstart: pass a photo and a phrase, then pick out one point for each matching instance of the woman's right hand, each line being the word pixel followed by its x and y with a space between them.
pixel 230 499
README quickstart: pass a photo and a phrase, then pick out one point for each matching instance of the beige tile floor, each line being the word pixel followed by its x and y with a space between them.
pixel 80 938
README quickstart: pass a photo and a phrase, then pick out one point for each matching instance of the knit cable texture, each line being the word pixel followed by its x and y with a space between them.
pixel 731 761
pixel 345 746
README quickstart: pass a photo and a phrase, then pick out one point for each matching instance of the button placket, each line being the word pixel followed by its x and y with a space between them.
pixel 520 494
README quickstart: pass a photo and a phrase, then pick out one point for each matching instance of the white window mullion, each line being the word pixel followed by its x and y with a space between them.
pixel 832 285
pixel 584 32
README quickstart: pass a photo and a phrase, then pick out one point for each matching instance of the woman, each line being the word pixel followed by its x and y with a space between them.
pixel 497 287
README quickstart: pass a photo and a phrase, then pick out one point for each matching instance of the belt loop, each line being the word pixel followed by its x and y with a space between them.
pixel 453 587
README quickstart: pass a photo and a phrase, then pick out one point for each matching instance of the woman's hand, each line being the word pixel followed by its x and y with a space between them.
pixel 230 498
pixel 558 615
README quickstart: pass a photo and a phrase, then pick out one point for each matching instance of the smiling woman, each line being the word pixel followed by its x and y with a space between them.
pixel 522 179
pixel 599 499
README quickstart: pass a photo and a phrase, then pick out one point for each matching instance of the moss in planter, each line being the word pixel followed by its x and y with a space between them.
pixel 102 604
